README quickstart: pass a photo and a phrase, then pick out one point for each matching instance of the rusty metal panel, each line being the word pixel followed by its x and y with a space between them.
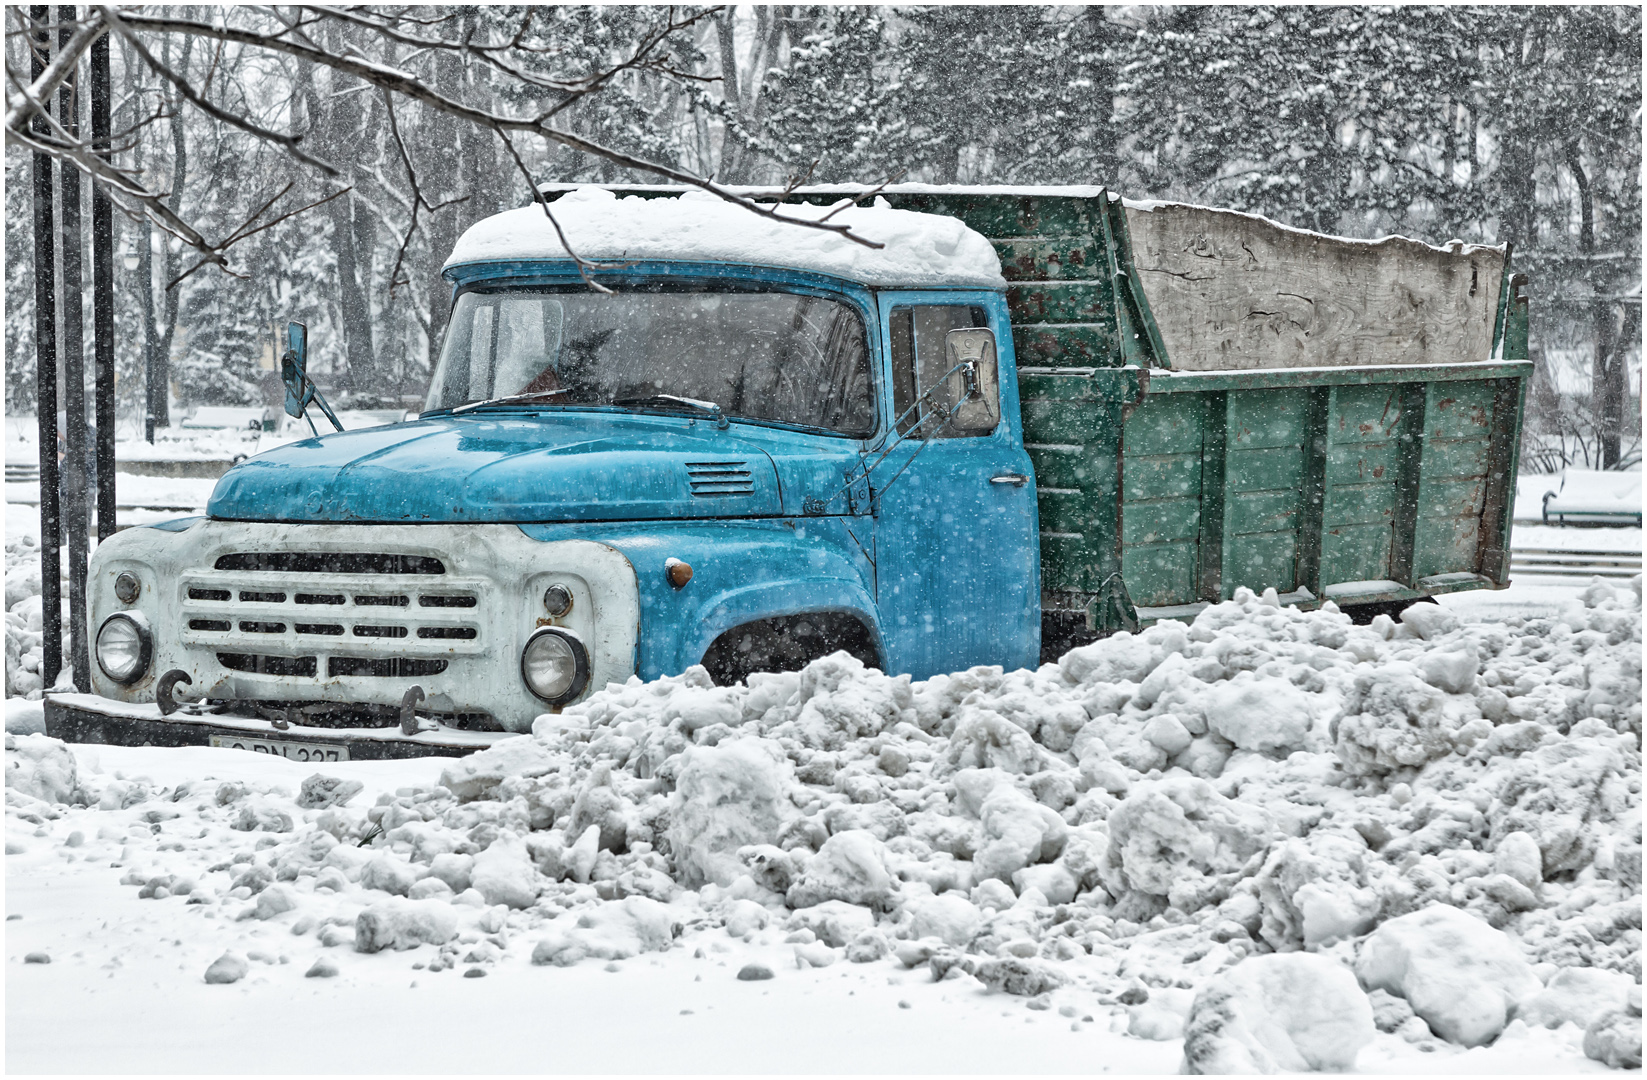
pixel 1447 545
pixel 1493 557
pixel 1005 213
pixel 1067 345
pixel 1072 431
pixel 1160 575
pixel 1453 492
pixel 1460 410
pixel 1039 258
pixel 1058 302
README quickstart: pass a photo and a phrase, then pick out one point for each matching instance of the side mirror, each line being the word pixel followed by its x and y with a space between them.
pixel 294 363
pixel 294 372
pixel 975 385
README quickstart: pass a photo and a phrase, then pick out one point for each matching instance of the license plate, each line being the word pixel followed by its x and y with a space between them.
pixel 292 751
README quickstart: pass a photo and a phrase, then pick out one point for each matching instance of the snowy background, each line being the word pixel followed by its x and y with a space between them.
pixel 1263 840
pixel 1488 124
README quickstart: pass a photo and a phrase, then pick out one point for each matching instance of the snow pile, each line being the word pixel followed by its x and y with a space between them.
pixel 1290 1012
pixel 1268 832
pixel 917 250
pixel 1456 972
pixel 24 636
pixel 40 768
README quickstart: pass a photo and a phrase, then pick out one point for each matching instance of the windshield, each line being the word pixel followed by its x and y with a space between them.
pixel 783 357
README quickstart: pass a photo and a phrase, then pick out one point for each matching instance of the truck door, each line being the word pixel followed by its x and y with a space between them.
pixel 958 574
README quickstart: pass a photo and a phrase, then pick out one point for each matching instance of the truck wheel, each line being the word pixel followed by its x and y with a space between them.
pixel 787 644
pixel 1362 614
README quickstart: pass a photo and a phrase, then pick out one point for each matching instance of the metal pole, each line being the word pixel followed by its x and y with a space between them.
pixel 103 295
pixel 145 281
pixel 45 374
pixel 74 373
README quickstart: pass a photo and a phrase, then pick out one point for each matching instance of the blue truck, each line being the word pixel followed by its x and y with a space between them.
pixel 712 437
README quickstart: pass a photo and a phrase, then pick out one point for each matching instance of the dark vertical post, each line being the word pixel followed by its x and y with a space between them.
pixel 103 295
pixel 45 373
pixel 1492 556
pixel 145 279
pixel 1312 501
pixel 74 373
pixel 1409 461
pixel 1214 428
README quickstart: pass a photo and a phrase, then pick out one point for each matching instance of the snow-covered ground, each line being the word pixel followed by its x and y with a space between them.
pixel 1584 489
pixel 176 443
pixel 1265 839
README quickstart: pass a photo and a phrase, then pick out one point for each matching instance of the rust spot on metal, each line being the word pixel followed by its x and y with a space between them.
pixel 1378 472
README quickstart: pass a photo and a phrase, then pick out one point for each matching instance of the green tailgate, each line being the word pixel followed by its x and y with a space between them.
pixel 1357 485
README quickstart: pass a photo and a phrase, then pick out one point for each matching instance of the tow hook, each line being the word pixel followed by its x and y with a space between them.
pixel 163 690
pixel 408 710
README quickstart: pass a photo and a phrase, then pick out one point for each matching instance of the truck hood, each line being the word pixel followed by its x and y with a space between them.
pixel 507 467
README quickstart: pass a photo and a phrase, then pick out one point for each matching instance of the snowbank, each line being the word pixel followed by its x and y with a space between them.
pixel 24 637
pixel 919 250
pixel 1433 831
pixel 1285 1012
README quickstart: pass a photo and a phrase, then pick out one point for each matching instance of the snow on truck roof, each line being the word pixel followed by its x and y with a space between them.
pixel 1059 191
pixel 921 250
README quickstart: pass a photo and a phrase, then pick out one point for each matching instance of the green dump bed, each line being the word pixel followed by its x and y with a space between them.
pixel 1214 401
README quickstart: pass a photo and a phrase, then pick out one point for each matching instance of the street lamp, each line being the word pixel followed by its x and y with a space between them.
pixel 128 255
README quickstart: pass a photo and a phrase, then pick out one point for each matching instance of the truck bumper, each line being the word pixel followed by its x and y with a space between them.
pixel 87 718
pixel 366 635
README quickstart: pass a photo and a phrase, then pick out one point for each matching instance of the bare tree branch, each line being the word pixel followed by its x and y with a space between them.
pixel 417 201
pixel 25 103
pixel 121 186
pixel 243 232
pixel 201 102
pixel 409 86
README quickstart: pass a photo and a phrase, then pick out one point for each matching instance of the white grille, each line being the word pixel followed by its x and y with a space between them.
pixel 330 625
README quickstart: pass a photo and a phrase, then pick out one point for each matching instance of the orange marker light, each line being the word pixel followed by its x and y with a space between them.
pixel 677 572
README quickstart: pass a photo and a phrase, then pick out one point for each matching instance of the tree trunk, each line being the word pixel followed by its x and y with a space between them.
pixel 1607 364
pixel 440 177
pixel 340 127
pixel 728 171
pixel 168 258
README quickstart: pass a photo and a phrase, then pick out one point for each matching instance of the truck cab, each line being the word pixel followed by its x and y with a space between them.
pixel 747 445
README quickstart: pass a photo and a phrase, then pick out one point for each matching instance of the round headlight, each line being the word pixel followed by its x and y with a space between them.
pixel 126 587
pixel 124 646
pixel 555 665
pixel 557 600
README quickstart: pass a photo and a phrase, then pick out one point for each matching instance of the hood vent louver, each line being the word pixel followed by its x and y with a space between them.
pixel 717 479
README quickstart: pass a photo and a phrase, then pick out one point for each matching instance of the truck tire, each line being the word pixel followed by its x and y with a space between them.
pixel 787 643
pixel 1362 614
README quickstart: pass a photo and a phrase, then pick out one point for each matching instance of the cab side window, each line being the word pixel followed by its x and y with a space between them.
pixel 920 362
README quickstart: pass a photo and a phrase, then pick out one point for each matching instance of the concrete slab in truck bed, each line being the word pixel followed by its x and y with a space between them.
pixel 1232 291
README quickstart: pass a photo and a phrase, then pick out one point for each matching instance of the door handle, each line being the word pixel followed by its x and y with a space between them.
pixel 1015 479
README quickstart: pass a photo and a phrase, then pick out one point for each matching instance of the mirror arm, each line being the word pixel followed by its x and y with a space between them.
pixel 853 476
pixel 320 399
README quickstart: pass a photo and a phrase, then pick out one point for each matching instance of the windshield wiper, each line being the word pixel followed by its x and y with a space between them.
pixel 670 401
pixel 512 399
